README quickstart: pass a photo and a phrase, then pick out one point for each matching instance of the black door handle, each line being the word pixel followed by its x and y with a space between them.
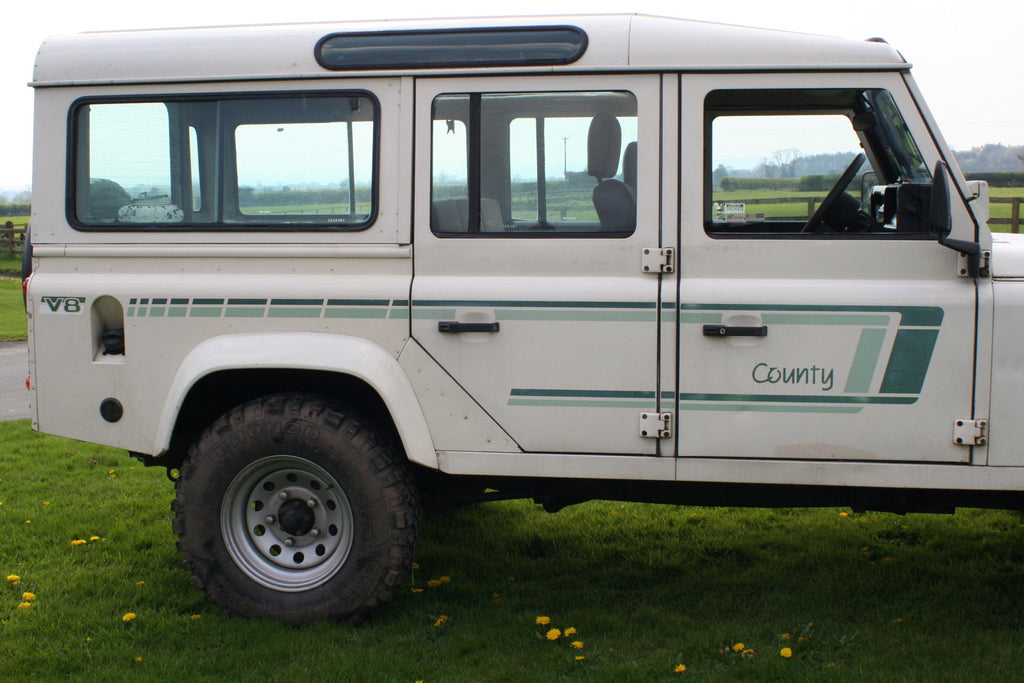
pixel 455 326
pixel 735 331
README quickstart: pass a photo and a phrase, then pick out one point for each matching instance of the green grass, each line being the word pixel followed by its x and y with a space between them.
pixel 13 325
pixel 863 597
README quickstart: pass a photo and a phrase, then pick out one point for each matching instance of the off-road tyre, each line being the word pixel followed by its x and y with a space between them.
pixel 294 508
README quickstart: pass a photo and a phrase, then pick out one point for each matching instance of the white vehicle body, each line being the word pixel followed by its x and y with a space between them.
pixel 694 352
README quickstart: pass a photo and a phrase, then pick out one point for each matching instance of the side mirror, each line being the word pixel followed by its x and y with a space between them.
pixel 940 222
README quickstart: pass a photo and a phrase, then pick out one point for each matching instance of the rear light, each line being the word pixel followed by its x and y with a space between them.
pixel 28 383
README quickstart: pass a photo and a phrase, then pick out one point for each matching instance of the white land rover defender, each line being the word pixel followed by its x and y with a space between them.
pixel 324 272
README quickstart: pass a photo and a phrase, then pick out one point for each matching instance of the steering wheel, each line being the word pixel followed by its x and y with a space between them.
pixel 834 193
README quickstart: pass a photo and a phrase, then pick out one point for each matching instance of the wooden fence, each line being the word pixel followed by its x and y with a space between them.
pixel 1015 218
pixel 810 203
pixel 12 237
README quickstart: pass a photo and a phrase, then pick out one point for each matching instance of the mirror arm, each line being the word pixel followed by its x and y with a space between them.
pixel 972 250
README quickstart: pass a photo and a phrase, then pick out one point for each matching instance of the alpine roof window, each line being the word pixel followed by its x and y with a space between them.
pixel 513 46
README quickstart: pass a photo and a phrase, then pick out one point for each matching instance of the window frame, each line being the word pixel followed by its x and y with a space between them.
pixel 871 144
pixel 215 188
pixel 473 132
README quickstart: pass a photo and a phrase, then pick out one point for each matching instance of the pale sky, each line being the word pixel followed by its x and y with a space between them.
pixel 966 55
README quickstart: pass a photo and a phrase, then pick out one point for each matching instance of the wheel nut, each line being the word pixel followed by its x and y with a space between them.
pixel 283 495
pixel 315 531
pixel 289 542
pixel 270 519
pixel 311 503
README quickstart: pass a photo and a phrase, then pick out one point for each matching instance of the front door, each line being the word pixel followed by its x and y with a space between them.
pixel 843 332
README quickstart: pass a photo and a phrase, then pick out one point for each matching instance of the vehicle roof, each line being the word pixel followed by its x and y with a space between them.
pixel 616 42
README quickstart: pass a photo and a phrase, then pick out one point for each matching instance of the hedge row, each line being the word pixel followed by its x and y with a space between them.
pixel 823 183
pixel 15 209
pixel 1000 178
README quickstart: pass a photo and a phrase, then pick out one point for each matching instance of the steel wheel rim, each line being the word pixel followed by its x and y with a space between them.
pixel 287 523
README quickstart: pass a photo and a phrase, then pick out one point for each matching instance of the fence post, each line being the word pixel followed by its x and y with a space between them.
pixel 9 230
pixel 1015 215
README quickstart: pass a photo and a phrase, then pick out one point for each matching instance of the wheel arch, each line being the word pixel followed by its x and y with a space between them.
pixel 228 370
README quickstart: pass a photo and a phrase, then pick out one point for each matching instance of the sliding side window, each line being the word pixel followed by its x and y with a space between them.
pixel 534 164
pixel 274 162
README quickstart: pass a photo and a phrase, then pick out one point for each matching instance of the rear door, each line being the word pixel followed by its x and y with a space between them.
pixel 535 198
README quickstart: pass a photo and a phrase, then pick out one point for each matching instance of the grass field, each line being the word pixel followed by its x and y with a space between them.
pixel 12 311
pixel 648 588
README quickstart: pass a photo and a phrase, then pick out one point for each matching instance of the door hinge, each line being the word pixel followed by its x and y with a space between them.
pixel 963 264
pixel 658 260
pixel 656 425
pixel 970 432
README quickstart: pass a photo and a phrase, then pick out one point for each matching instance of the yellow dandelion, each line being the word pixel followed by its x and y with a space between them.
pixel 844 514
pixel 129 616
pixel 553 634
pixel 886 559
pixel 748 654
pixel 897 621
pixel 28 521
pixel 570 632
pixel 495 596
pixel 28 597
pixel 580 658
pixel 415 565
pixel 46 502
pixel 433 583
pixel 24 605
pixel 94 538
pixel 445 579
pixel 786 652
pixel 138 659
pixel 680 668
pixel 786 636
pixel 416 590
pixel 78 541
pixel 196 617
pixel 14 579
pixel 576 644
pixel 542 621
pixel 443 619
pixel 739 647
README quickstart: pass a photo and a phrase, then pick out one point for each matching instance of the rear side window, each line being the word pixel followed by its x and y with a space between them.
pixel 534 164
pixel 284 162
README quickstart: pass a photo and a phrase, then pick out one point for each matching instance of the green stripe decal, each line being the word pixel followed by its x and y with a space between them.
pixel 910 316
pixel 264 308
pixel 583 393
pixel 768 408
pixel 824 319
pixel 801 398
pixel 908 362
pixel 865 360
pixel 465 303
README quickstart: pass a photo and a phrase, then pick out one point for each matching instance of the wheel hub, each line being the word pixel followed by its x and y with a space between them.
pixel 295 517
pixel 287 523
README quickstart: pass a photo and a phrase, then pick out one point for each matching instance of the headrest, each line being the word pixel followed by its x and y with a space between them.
pixel 629 165
pixel 603 143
